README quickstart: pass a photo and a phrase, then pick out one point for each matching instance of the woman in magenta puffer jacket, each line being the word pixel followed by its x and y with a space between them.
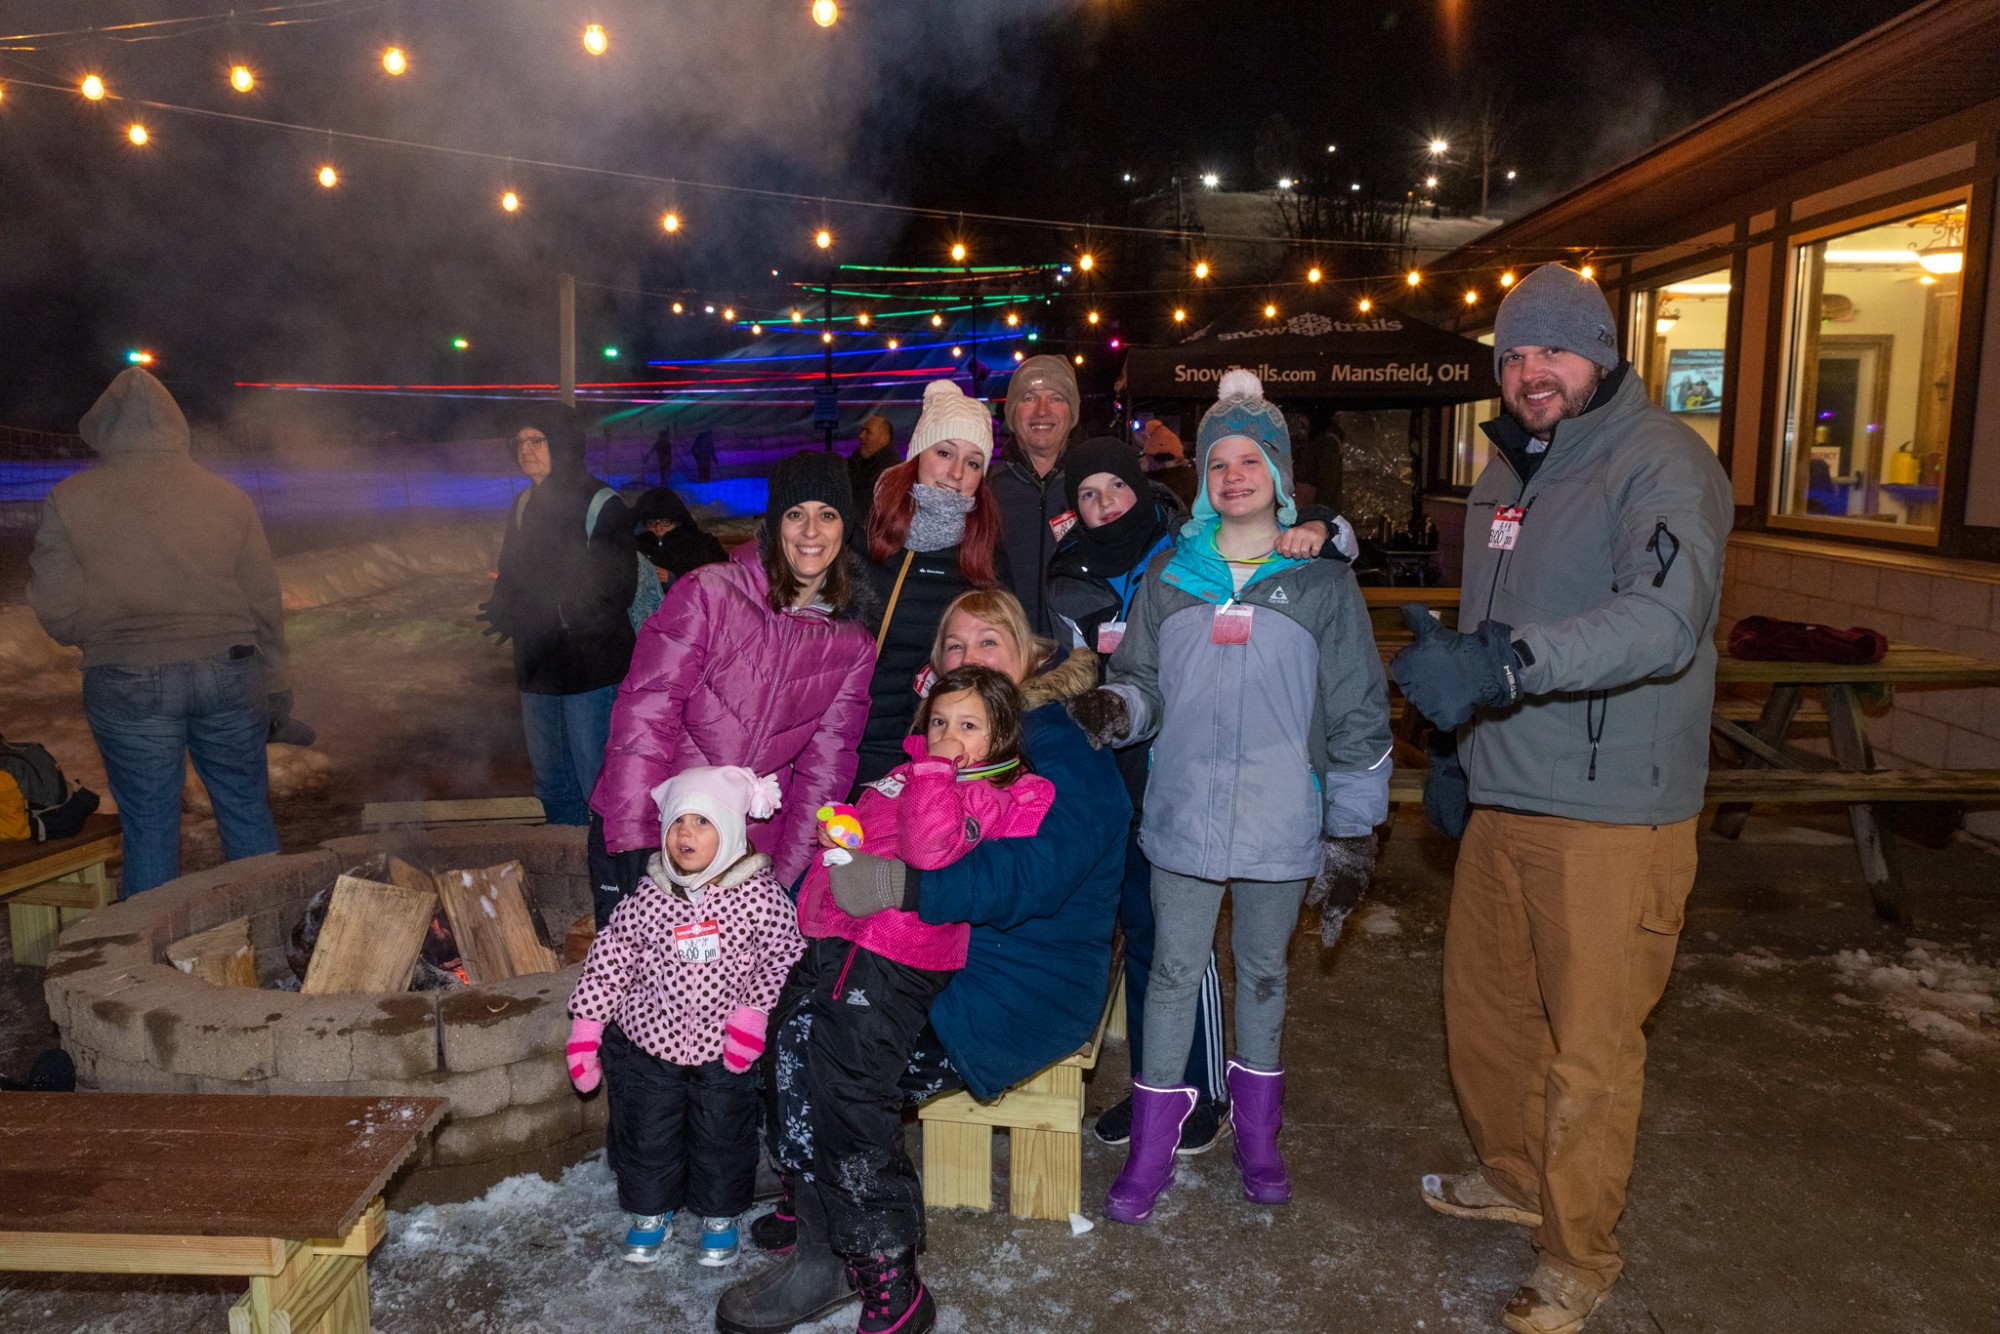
pixel 761 661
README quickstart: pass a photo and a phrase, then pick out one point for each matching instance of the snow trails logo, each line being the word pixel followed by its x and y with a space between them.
pixel 1337 373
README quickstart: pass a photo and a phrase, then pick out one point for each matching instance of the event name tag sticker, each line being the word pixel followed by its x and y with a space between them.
pixel 1506 529
pixel 698 942
pixel 923 681
pixel 1062 523
pixel 1109 636
pixel 1232 624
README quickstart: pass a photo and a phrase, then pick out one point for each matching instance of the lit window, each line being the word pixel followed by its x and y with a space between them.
pixel 1680 333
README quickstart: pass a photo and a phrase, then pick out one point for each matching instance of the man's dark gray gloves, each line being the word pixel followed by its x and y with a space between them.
pixel 284 727
pixel 1103 717
pixel 490 627
pixel 1344 872
pixel 866 884
pixel 1448 676
pixel 1447 794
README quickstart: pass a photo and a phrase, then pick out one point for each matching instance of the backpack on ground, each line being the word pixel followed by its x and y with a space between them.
pixel 54 808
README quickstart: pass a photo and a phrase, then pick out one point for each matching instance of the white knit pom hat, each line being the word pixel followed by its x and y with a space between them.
pixel 949 415
pixel 726 795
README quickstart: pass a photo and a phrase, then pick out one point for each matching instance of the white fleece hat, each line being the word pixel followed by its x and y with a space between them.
pixel 726 796
pixel 949 415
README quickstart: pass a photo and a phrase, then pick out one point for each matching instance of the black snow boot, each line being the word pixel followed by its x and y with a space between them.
pixel 810 1282
pixel 893 1299
pixel 777 1231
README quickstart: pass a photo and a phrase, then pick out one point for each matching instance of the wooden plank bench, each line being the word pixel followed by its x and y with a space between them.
pixel 1043 1116
pixel 50 885
pixel 283 1191
pixel 458 811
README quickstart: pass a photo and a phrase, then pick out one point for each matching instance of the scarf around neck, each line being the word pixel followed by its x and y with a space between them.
pixel 938 521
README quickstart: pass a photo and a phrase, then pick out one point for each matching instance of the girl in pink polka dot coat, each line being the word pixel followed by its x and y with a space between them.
pixel 675 995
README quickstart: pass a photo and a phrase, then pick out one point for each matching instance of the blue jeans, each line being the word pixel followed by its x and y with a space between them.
pixel 566 739
pixel 147 721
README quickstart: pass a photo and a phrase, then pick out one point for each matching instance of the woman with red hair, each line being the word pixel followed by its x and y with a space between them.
pixel 933 532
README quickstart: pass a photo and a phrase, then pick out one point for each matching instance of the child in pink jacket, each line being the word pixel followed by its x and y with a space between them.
pixel 676 992
pixel 857 1002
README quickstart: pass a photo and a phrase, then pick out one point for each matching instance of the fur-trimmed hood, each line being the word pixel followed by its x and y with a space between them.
pixel 735 874
pixel 1060 679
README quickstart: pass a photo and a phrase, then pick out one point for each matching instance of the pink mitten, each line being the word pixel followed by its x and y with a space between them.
pixel 584 1036
pixel 743 1038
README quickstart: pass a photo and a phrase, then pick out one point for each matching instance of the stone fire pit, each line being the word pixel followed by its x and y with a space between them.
pixel 135 1023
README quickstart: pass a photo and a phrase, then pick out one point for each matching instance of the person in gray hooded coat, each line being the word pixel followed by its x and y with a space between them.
pixel 1593 572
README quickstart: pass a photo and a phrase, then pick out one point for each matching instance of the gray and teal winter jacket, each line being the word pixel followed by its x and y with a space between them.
pixel 1612 590
pixel 1263 748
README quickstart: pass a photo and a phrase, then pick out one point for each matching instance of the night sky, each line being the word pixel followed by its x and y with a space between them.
pixel 214 245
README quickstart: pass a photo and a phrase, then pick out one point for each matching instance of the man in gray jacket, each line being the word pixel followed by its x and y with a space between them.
pixel 1593 570
pixel 158 569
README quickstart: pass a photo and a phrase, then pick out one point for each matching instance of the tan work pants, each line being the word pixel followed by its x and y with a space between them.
pixel 1560 940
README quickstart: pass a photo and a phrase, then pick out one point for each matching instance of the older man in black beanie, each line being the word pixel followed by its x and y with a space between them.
pixel 1593 571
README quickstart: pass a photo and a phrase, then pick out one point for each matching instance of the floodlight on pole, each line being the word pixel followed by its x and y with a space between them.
pixel 825 13
pixel 241 79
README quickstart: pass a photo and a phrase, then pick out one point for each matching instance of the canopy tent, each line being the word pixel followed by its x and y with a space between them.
pixel 1320 349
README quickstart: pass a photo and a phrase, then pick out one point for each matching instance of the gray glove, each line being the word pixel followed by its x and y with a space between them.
pixel 866 884
pixel 1103 717
pixel 1344 873
pixel 281 725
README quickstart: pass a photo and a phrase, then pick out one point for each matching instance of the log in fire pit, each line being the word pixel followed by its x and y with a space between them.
pixel 134 1022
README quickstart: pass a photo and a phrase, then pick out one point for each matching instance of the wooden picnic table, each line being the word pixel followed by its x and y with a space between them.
pixel 282 1190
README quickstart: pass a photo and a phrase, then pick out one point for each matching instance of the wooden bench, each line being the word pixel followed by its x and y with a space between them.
pixel 283 1191
pixel 459 811
pixel 1043 1116
pixel 50 885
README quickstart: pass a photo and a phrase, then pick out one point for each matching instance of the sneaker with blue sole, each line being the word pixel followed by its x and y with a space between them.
pixel 719 1244
pixel 645 1236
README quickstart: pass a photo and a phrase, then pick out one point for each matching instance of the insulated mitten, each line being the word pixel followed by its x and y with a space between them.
pixel 585 1035
pixel 1447 794
pixel 1447 675
pixel 1103 717
pixel 743 1038
pixel 284 727
pixel 1346 866
pixel 868 884
pixel 491 627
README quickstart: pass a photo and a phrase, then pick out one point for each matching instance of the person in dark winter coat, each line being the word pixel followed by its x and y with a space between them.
pixel 1041 909
pixel 676 993
pixel 1125 520
pixel 933 532
pixel 1259 677
pixel 669 537
pixel 562 596
pixel 760 661
pixel 874 454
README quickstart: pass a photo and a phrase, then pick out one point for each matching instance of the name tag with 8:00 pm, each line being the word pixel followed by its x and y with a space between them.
pixel 1506 529
pixel 698 942
pixel 1232 624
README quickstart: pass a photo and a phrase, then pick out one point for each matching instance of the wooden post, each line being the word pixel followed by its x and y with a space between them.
pixel 1874 844
pixel 566 324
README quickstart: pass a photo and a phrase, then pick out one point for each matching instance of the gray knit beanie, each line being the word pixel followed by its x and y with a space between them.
pixel 1242 410
pixel 1557 307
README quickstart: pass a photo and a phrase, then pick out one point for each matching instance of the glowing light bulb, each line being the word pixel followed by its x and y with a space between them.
pixel 1587 271
pixel 678 308
pixel 1507 278
pixel 611 354
pixel 1019 355
pixel 1012 319
pixel 756 328
pixel 241 79
pixel 594 40
pixel 139 358
pixel 394 61
pixel 862 319
pixel 1413 277
pixel 1085 262
pixel 1201 269
pixel 708 310
pixel 1313 274
pixel 460 344
pixel 1078 358
pixel 937 321
pixel 895 343
pixel 1180 316
pixel 823 239
pixel 958 252
pixel 1366 305
pixel 1439 146
pixel 92 87
pixel 958 351
pixel 1471 298
pixel 1092 317
pixel 511 202
pixel 670 222
pixel 825 13
pixel 328 177
pixel 1116 344
pixel 729 313
pixel 826 338
pixel 1270 312
pixel 137 133
pixel 795 317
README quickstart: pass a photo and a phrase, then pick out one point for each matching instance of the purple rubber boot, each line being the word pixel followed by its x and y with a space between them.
pixel 1256 1110
pixel 1157 1115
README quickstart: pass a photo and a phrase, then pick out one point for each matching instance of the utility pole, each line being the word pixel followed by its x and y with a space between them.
pixel 566 324
pixel 826 341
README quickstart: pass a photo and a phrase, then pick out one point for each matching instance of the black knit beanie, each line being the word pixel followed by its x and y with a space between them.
pixel 810 475
pixel 1103 453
